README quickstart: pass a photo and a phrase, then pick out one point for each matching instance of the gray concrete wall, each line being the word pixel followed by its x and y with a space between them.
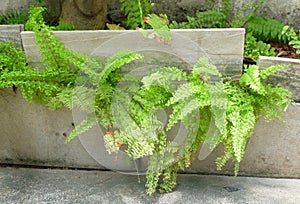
pixel 31 134
pixel 288 77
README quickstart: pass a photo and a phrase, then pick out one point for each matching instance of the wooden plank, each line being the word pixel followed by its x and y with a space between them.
pixel 223 47
pixel 11 33
pixel 288 77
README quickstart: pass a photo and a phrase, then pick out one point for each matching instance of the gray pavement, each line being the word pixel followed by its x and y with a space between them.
pixel 26 185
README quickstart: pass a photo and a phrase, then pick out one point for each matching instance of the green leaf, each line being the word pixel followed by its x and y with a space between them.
pixel 204 68
pixel 89 122
pixel 251 78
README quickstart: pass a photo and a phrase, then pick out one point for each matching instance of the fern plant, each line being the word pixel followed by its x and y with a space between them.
pixel 268 29
pixel 254 48
pixel 14 17
pixel 265 28
pixel 136 10
pixel 204 19
pixel 160 26
pixel 235 117
pixel 260 30
pixel 213 113
pixel 293 36
pixel 62 25
pixel 221 17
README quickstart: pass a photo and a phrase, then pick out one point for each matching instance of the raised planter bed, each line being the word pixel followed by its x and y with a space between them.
pixel 31 134
pixel 223 47
pixel 11 33
pixel 289 77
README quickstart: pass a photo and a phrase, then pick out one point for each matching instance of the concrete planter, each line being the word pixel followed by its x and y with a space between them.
pixel 289 77
pixel 223 47
pixel 11 33
pixel 31 134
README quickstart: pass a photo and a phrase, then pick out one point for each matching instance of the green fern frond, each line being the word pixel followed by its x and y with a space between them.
pixel 33 83
pixel 54 55
pixel 254 48
pixel 189 107
pixel 82 97
pixel 140 142
pixel 128 107
pixel 135 10
pixel 12 58
pixel 183 92
pixel 251 78
pixel 62 25
pixel 274 103
pixel 174 117
pixel 116 61
pixel 210 19
pixel 163 77
pixel 152 181
pixel 89 122
pixel 203 19
pixel 156 22
pixel 62 99
pixel 160 26
pixel 218 107
pixel 201 92
pixel 265 73
pixel 89 73
pixel 242 124
pixel 14 17
pixel 204 68
pixel 228 154
pixel 189 104
pixel 169 179
pixel 264 28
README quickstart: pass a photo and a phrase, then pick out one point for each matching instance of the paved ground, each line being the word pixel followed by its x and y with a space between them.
pixel 30 186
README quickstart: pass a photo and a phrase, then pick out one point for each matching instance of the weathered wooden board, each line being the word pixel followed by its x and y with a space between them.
pixel 11 33
pixel 288 77
pixel 223 47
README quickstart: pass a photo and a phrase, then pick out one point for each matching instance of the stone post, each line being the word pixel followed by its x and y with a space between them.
pixel 85 14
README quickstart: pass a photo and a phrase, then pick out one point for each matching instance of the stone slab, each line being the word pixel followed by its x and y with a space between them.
pixel 288 77
pixel 11 33
pixel 29 186
pixel 223 47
